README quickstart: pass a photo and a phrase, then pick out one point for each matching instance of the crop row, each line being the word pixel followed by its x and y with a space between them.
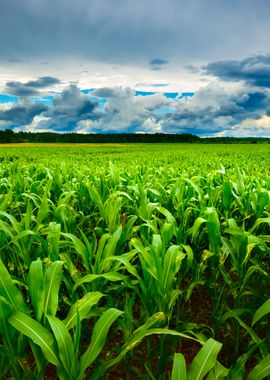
pixel 143 272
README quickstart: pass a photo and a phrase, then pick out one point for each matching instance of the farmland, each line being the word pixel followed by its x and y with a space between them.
pixel 134 261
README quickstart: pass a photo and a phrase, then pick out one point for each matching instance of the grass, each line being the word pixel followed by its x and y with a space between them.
pixel 134 261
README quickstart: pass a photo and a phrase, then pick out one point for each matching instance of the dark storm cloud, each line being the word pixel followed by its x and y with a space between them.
pixel 21 114
pixel 158 63
pixel 254 71
pixel 129 30
pixel 43 82
pixel 19 89
pixel 253 101
pixel 30 88
pixel 69 108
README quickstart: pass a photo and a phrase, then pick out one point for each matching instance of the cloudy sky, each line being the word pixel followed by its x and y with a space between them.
pixel 174 66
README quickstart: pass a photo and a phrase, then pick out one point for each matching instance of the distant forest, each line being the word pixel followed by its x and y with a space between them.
pixel 9 136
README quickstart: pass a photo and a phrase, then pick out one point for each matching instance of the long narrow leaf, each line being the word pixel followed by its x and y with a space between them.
pixel 99 336
pixel 64 341
pixel 179 371
pixel 9 291
pixel 261 370
pixel 261 312
pixel 82 307
pixel 39 334
pixel 36 288
pixel 205 360
pixel 52 280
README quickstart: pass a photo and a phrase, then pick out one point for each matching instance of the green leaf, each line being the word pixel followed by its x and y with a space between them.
pixel 43 209
pixel 146 258
pixel 110 276
pixel 155 319
pixel 179 371
pixel 258 222
pixel 237 371
pixel 205 360
pixel 9 291
pixel 99 336
pixel 261 370
pixel 194 230
pixel 109 249
pixel 36 289
pixel 9 334
pixel 95 197
pixel 129 267
pixel 54 233
pixel 219 372
pixel 64 341
pixel 39 334
pixel 171 266
pixel 77 243
pixel 82 306
pixel 75 369
pixel 52 280
pixel 261 312
pixel 250 331
pixel 135 339
pixel 170 218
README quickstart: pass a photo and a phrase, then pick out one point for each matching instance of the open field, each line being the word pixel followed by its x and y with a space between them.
pixel 146 261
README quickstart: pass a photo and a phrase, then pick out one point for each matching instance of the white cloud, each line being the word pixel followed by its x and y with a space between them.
pixel 151 125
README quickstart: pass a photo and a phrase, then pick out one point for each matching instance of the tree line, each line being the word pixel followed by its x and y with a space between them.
pixel 9 136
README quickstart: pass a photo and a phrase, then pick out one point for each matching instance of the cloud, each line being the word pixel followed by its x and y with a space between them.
pixel 158 63
pixel 253 101
pixel 249 127
pixel 43 82
pixel 19 89
pixel 68 109
pixel 19 115
pixel 124 112
pixel 212 110
pixel 192 68
pixel 105 92
pixel 129 30
pixel 152 84
pixel 30 88
pixel 254 71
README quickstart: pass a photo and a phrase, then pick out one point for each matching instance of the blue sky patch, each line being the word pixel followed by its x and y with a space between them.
pixel 4 98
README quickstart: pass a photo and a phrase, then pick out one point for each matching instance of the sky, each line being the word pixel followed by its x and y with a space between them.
pixel 136 66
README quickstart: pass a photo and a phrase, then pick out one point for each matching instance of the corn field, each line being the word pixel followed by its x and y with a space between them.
pixel 135 262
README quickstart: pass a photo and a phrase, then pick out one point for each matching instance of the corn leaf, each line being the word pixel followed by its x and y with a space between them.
pixel 205 360
pixel 36 288
pixel 64 341
pixel 52 280
pixel 82 307
pixel 99 336
pixel 9 291
pixel 261 312
pixel 39 334
pixel 261 370
pixel 179 371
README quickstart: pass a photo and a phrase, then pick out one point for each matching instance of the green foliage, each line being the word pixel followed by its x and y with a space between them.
pixel 135 261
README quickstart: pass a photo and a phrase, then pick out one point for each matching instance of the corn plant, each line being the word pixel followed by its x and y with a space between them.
pixel 112 255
